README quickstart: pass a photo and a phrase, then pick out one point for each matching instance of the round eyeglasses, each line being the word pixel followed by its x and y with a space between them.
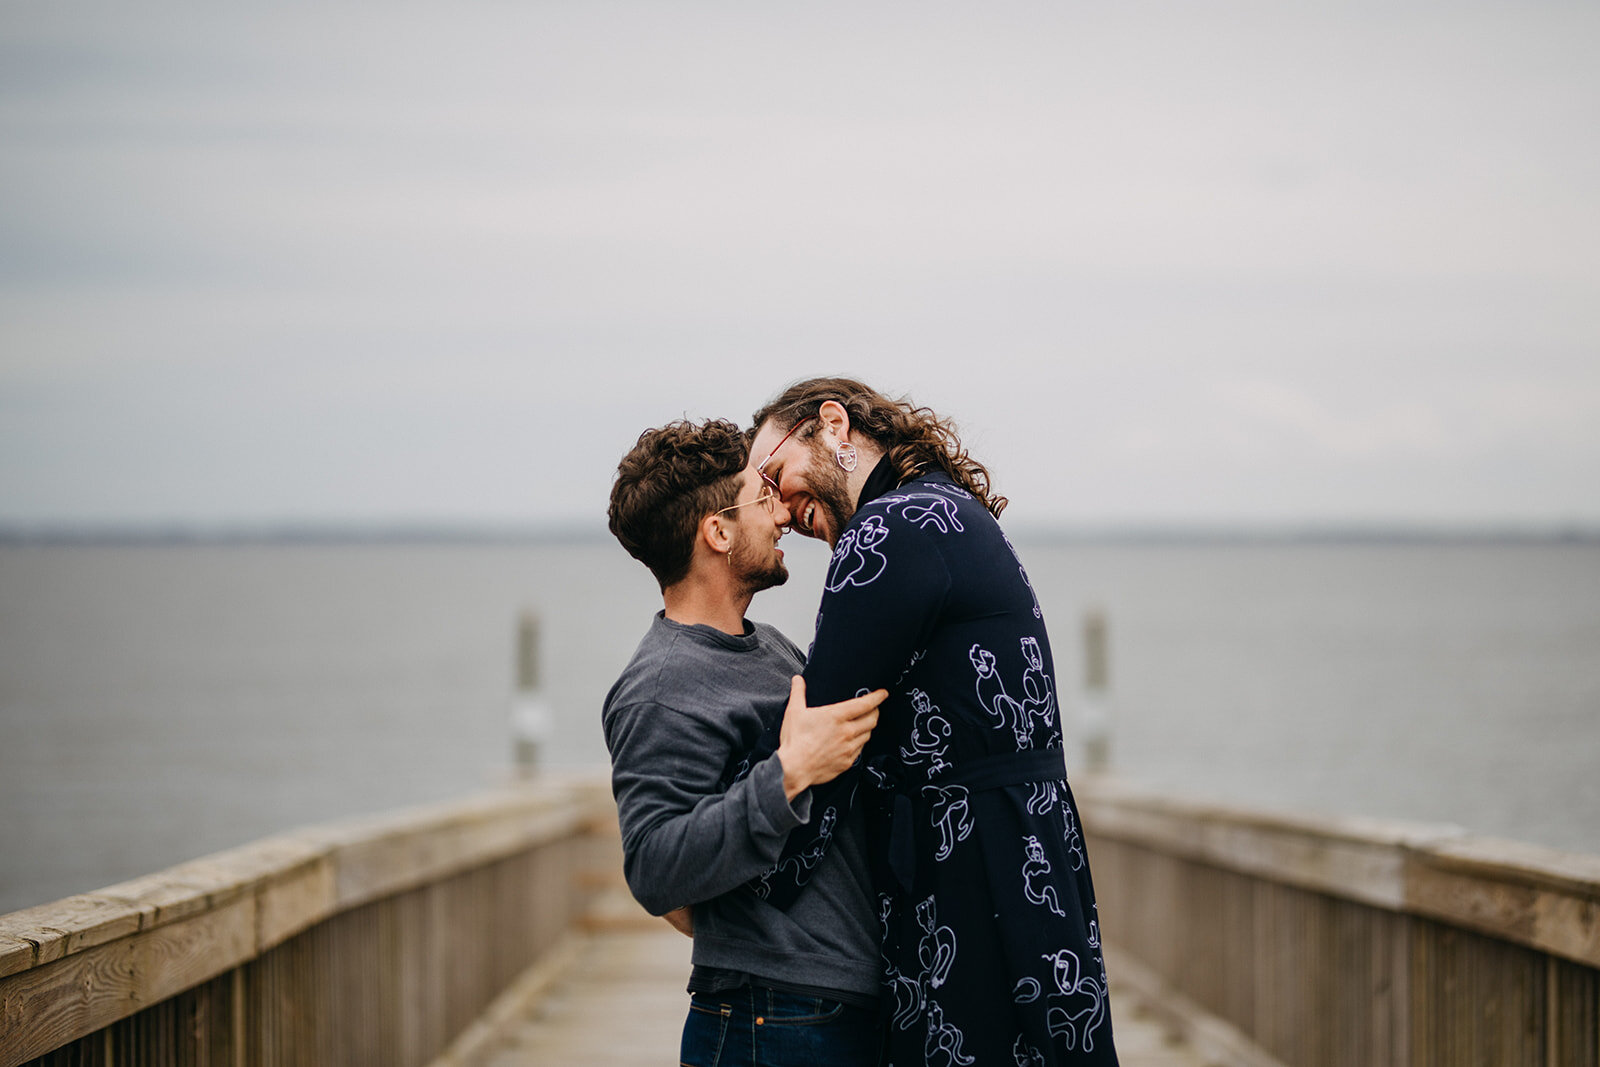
pixel 761 468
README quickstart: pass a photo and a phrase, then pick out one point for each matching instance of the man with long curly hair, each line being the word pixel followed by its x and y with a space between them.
pixel 990 940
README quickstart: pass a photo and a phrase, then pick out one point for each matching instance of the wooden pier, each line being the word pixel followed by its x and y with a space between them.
pixel 637 972
pixel 495 931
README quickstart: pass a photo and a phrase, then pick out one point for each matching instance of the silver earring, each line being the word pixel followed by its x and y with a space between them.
pixel 845 456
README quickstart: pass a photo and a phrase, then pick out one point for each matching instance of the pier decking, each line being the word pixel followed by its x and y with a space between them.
pixel 621 1003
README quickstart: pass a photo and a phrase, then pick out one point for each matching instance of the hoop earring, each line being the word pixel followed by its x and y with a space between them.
pixel 845 456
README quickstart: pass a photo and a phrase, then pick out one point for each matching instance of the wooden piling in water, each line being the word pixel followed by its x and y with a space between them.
pixel 1095 717
pixel 530 713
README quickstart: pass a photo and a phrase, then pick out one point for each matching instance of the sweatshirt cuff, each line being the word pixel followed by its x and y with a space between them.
pixel 776 809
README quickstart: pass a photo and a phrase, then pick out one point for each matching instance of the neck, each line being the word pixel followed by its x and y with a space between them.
pixel 707 600
pixel 868 457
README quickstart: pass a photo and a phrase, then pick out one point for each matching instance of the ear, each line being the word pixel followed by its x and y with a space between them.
pixel 835 418
pixel 714 534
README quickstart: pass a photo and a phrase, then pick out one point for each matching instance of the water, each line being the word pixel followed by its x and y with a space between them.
pixel 161 703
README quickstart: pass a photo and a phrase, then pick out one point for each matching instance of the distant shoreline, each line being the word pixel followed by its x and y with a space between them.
pixel 1175 535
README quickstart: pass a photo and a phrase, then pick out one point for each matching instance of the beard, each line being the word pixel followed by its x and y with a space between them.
pixel 829 489
pixel 756 566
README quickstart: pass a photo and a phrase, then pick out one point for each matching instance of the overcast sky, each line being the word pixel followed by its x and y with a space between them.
pixel 441 263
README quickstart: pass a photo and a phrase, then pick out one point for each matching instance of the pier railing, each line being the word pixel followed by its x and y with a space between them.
pixel 371 941
pixel 1277 942
pixel 1321 942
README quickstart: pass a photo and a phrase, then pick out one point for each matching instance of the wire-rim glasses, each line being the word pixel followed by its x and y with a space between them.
pixel 766 499
pixel 761 468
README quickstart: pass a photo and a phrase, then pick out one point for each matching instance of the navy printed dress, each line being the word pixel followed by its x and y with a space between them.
pixel 991 945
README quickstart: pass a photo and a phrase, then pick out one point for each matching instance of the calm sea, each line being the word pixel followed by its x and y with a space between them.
pixel 161 703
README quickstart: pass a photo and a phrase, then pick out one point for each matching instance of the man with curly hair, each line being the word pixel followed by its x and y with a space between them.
pixel 703 809
pixel 990 939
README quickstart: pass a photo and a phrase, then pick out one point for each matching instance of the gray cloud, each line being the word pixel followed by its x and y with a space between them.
pixel 1244 262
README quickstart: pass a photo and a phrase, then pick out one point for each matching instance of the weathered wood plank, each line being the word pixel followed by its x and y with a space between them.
pixel 1543 898
pixel 1361 859
pixel 1539 897
pixel 18 953
pixel 70 925
pixel 305 922
pixel 301 878
pixel 294 900
pixel 374 858
pixel 49 1006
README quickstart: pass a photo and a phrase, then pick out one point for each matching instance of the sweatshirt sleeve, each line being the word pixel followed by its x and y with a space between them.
pixel 688 834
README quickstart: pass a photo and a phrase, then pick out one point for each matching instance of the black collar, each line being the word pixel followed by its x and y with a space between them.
pixel 882 479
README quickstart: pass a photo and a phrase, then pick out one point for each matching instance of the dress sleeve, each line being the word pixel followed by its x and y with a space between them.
pixel 886 587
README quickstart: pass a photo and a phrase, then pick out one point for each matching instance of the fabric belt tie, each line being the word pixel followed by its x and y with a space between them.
pixel 976 776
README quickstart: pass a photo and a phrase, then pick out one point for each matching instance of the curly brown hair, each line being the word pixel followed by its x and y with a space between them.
pixel 673 477
pixel 913 439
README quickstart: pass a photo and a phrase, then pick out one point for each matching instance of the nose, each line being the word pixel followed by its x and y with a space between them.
pixel 780 511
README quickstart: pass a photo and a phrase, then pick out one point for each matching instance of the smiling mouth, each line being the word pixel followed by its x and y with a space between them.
pixel 806 518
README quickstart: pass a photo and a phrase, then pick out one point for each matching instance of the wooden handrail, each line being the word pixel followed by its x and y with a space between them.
pixel 1305 941
pixel 1542 898
pixel 1313 940
pixel 76 966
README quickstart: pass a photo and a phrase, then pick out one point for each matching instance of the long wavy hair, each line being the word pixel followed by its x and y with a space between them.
pixel 914 439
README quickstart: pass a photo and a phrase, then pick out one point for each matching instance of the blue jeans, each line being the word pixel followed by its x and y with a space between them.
pixel 759 1027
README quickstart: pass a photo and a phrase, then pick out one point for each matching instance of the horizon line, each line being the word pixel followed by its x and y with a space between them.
pixel 442 532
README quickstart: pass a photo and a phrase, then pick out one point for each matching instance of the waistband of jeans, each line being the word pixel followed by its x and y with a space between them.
pixel 715 981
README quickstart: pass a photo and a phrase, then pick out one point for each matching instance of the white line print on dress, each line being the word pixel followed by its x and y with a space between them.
pixel 916 658
pixel 1025 1055
pixel 937 949
pixel 1043 800
pixel 1037 613
pixel 952 490
pixel 943 1038
pixel 937 954
pixel 1072 837
pixel 1079 1005
pixel 1039 691
pixel 908 993
pixel 857 559
pixel 1036 866
pixel 992 695
pixel 929 732
pixel 949 815
pixel 808 860
pixel 937 512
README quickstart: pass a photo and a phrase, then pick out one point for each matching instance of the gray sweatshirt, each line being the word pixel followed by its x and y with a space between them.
pixel 680 723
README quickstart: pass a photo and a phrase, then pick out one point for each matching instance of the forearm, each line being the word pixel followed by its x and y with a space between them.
pixel 681 848
pixel 799 773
